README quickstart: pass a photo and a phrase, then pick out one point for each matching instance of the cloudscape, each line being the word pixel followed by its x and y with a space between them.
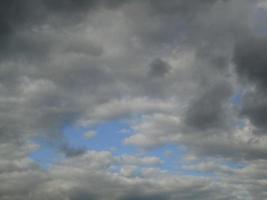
pixel 133 100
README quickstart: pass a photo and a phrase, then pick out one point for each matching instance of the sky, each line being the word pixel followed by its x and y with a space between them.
pixel 133 100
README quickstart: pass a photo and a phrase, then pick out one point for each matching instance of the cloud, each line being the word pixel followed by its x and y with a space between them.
pixel 154 131
pixel 209 110
pixel 124 108
pixel 250 66
pixel 159 68
pixel 250 62
pixel 70 151
pixel 89 176
pixel 170 68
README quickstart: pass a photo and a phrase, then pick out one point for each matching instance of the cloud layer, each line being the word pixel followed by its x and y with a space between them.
pixel 180 72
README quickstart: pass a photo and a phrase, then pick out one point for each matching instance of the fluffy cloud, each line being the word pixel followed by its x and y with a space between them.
pixel 91 176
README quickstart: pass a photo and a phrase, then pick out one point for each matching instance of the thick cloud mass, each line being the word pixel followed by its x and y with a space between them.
pixel 209 110
pixel 185 73
pixel 251 67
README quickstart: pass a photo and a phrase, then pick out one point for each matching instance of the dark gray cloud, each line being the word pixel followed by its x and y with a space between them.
pixel 146 196
pixel 71 151
pixel 79 5
pixel 159 68
pixel 77 194
pixel 209 110
pixel 250 62
pixel 186 8
pixel 17 16
pixel 254 107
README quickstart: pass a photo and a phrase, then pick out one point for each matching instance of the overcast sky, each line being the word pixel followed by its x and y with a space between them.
pixel 133 99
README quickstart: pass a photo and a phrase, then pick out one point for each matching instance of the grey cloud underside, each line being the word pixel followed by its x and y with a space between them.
pixel 251 60
pixel 176 63
pixel 159 68
pixel 210 109
pixel 251 64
